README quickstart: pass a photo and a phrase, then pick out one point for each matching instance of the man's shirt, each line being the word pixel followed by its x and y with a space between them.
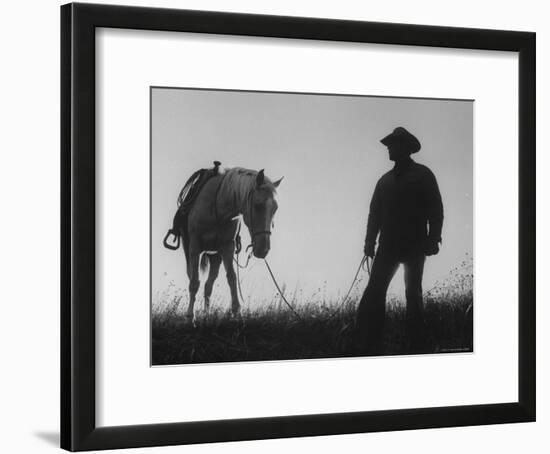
pixel 406 209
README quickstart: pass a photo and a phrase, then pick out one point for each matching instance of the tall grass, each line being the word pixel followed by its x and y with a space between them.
pixel 321 328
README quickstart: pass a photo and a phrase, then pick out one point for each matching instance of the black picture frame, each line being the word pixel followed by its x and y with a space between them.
pixel 78 173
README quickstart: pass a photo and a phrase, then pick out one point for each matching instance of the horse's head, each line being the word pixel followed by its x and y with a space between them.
pixel 259 216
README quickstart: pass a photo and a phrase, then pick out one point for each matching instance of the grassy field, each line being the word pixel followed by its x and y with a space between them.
pixel 322 330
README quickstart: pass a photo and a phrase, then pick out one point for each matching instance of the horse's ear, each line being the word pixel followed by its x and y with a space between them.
pixel 278 182
pixel 260 178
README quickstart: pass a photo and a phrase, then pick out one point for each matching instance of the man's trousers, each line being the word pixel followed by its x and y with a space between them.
pixel 369 328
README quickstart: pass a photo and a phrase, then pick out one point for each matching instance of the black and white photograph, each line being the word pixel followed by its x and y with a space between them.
pixel 238 227
pixel 294 226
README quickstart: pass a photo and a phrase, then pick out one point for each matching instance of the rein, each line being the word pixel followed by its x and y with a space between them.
pixel 364 261
pixel 250 215
pixel 251 245
pixel 281 292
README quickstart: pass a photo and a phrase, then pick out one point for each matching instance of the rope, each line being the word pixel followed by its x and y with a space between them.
pixel 239 266
pixel 364 260
pixel 239 278
pixel 281 292
pixel 236 260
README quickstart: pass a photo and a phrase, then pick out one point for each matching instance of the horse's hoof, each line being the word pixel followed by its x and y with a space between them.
pixel 236 316
pixel 190 320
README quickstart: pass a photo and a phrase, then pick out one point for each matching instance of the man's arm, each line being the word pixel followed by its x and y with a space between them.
pixel 374 221
pixel 434 210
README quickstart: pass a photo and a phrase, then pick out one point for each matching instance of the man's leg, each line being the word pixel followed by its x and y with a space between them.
pixel 416 327
pixel 369 326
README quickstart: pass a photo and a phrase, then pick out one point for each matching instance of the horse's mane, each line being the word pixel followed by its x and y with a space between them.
pixel 241 181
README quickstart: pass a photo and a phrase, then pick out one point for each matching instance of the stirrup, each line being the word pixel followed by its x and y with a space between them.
pixel 176 242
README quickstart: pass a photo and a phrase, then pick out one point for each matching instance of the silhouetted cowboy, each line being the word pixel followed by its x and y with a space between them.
pixel 406 213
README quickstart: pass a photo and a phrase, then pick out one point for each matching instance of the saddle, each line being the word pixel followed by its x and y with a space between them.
pixel 186 199
pixel 194 185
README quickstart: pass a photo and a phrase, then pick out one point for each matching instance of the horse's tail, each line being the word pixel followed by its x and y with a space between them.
pixel 204 262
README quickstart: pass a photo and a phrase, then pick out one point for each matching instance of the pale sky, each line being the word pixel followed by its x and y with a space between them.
pixel 328 150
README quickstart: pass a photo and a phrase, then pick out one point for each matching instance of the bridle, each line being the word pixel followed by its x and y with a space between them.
pixel 251 216
pixel 250 210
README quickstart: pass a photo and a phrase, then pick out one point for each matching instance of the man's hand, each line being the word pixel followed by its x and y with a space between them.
pixel 369 250
pixel 432 247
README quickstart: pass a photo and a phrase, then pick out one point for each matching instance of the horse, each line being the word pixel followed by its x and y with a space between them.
pixel 213 222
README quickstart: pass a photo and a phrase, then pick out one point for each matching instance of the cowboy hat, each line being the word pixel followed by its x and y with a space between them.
pixel 401 136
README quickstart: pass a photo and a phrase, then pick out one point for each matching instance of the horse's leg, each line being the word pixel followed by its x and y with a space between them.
pixel 194 283
pixel 227 256
pixel 215 262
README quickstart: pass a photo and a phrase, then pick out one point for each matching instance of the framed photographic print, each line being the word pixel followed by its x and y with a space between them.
pixel 281 226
